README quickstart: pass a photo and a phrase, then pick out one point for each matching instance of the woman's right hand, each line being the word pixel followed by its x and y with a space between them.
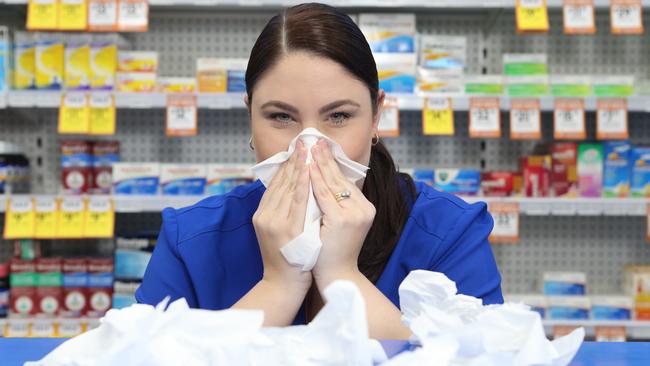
pixel 280 218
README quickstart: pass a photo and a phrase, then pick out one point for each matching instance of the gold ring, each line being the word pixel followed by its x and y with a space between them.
pixel 340 196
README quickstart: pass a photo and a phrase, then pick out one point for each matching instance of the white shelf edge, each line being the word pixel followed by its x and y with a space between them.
pixel 528 206
pixel 407 102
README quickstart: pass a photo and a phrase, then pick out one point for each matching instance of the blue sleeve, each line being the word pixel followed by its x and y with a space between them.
pixel 166 274
pixel 466 256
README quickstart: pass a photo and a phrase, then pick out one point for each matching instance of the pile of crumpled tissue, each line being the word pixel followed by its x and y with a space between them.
pixel 452 329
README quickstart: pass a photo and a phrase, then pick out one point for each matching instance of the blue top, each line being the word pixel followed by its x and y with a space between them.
pixel 208 253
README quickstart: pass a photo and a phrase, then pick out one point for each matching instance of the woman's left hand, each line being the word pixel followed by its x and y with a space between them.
pixel 345 222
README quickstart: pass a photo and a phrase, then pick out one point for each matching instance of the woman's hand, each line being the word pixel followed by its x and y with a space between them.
pixel 345 223
pixel 280 218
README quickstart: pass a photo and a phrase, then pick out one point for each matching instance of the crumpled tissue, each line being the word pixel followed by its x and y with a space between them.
pixel 455 329
pixel 143 335
pixel 304 249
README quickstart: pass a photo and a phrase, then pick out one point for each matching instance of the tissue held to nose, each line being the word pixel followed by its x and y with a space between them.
pixel 303 250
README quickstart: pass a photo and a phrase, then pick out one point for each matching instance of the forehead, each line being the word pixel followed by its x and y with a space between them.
pixel 300 77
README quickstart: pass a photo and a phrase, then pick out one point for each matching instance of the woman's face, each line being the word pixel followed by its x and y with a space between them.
pixel 302 90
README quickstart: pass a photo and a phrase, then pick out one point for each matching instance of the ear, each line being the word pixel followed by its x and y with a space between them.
pixel 247 102
pixel 381 96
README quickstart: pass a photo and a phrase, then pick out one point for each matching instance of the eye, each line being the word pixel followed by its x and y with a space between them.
pixel 281 118
pixel 338 118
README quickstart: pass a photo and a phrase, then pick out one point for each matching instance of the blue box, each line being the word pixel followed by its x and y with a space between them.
pixel 458 181
pixel 423 175
pixel 640 185
pixel 616 180
pixel 131 264
pixel 568 307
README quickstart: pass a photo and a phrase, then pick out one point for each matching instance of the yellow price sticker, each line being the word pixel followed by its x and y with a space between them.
pixel 532 16
pixel 99 218
pixel 42 14
pixel 71 218
pixel 74 114
pixel 19 218
pixel 46 217
pixel 102 114
pixel 73 14
pixel 437 117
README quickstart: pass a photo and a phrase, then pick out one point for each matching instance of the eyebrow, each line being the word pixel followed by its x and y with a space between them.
pixel 324 109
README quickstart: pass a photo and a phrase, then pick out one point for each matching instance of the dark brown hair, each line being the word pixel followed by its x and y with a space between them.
pixel 327 32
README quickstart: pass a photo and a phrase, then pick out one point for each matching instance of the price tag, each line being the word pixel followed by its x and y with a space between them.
pixel 42 328
pixel 610 334
pixel 532 16
pixel 102 15
pixel 46 217
pixel 19 218
pixel 626 16
pixel 74 116
pixel 73 15
pixel 525 119
pixel 506 222
pixel 71 218
pixel 484 117
pixel 42 14
pixel 100 218
pixel 611 119
pixel 133 16
pixel 579 17
pixel 18 328
pixel 437 117
pixel 569 119
pixel 181 115
pixel 102 114
pixel 389 120
pixel 69 328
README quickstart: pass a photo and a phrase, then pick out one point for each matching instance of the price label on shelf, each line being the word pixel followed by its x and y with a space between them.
pixel 102 15
pixel 579 17
pixel 569 119
pixel 437 117
pixel 610 334
pixel 484 117
pixel 43 328
pixel 181 115
pixel 45 218
pixel 531 16
pixel 525 119
pixel 74 114
pixel 18 328
pixel 73 15
pixel 626 16
pixel 133 15
pixel 102 114
pixel 611 119
pixel 506 222
pixel 99 218
pixel 19 218
pixel 562 330
pixel 71 217
pixel 389 120
pixel 42 14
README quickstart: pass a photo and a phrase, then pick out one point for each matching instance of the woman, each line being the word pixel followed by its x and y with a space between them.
pixel 312 67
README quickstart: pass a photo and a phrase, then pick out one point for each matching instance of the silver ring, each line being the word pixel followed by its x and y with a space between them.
pixel 343 195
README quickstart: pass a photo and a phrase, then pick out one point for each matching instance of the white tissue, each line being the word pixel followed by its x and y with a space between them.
pixel 304 249
pixel 508 334
pixel 143 335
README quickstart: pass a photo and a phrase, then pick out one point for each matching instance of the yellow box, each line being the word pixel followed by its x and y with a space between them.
pixel 136 82
pixel 176 85
pixel 137 61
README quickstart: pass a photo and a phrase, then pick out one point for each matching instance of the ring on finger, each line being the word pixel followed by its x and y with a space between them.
pixel 343 195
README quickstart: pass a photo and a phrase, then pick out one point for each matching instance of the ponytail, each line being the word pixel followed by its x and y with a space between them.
pixel 392 193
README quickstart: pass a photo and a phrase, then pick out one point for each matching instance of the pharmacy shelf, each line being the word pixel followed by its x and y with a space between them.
pixel 448 4
pixel 573 206
pixel 407 102
pixel 527 206
pixel 636 329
